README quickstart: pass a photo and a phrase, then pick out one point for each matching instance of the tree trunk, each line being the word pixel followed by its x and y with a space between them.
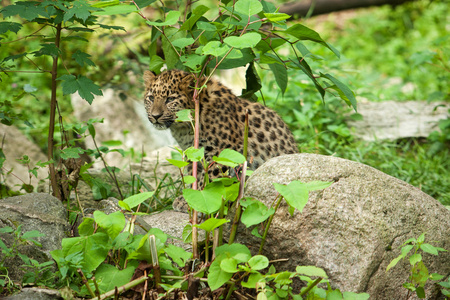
pixel 318 7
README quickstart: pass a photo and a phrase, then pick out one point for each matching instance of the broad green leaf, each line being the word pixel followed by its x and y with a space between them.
pixel 238 251
pixel 215 48
pixel 197 13
pixel 302 32
pixel 252 280
pixel 94 247
pixel 405 250
pixel 229 265
pixel 86 227
pixel 258 262
pixel 420 292
pixel 281 76
pixel 183 42
pixel 193 61
pixel 206 26
pixel 212 223
pixel 344 92
pixel 248 7
pixel 283 278
pixel 28 10
pixel 311 271
pixel 9 26
pixel 105 3
pixel 108 277
pixel 252 81
pixel 184 115
pixel 216 276
pixel 415 258
pixel 177 163
pixel 156 63
pixel 248 40
pixel 80 9
pixel 82 59
pixel 276 17
pixel 207 201
pixel 195 154
pixel 267 45
pixel 436 276
pixel 73 152
pixel 429 249
pixel 295 194
pixel 355 296
pixel 189 179
pixel 334 295
pixel 230 158
pixel 113 223
pixel 303 65
pixel 137 199
pixel 178 255
pixel 421 238
pixel 48 49
pixel 229 63
pixel 317 185
pixel 256 213
pixel 83 85
pixel 171 19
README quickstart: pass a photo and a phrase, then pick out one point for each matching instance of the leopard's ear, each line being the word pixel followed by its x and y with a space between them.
pixel 149 77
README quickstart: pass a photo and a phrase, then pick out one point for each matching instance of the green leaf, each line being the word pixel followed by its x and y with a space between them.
pixel 344 92
pixel 207 201
pixel 215 48
pixel 116 10
pixel 311 271
pixel 48 49
pixel 230 158
pixel 137 199
pixel 295 193
pixel 9 26
pixel 178 255
pixel 80 9
pixel 429 249
pixel 420 292
pixel 283 278
pixel 276 17
pixel 184 115
pixel 183 42
pixel 193 61
pixel 258 262
pixel 255 213
pixel 436 276
pixel 28 10
pixel 394 262
pixel 171 19
pixel 216 276
pixel 281 76
pixel 212 223
pixel 248 7
pixel 415 258
pixel 229 265
pixel 189 179
pixel 240 252
pixel 86 227
pixel 303 65
pixel 317 185
pixel 95 248
pixel 302 32
pixel 113 223
pixel 177 163
pixel 197 13
pixel 195 154
pixel 252 280
pixel 83 85
pixel 108 277
pixel 248 40
pixel 82 59
pixel 73 152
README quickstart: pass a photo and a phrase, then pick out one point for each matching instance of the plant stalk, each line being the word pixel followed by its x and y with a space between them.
pixel 315 282
pixel 194 170
pixel 51 130
pixel 266 230
pixel 237 215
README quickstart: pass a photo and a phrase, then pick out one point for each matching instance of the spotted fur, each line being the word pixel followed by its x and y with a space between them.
pixel 222 117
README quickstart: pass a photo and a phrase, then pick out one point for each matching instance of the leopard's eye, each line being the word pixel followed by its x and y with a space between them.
pixel 170 99
pixel 150 98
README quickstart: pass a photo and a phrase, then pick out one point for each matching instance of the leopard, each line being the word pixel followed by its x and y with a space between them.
pixel 222 118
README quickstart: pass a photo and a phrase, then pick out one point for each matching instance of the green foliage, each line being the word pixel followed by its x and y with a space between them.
pixel 35 272
pixel 419 272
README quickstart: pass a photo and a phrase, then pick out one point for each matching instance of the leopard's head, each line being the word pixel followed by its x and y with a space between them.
pixel 165 95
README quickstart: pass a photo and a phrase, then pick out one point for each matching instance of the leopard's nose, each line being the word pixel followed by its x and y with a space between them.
pixel 156 116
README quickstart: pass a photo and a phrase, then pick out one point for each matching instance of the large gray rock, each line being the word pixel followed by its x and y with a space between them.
pixel 393 120
pixel 353 228
pixel 41 212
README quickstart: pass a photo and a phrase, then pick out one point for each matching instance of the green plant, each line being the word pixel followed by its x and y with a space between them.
pixel 36 273
pixel 419 272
